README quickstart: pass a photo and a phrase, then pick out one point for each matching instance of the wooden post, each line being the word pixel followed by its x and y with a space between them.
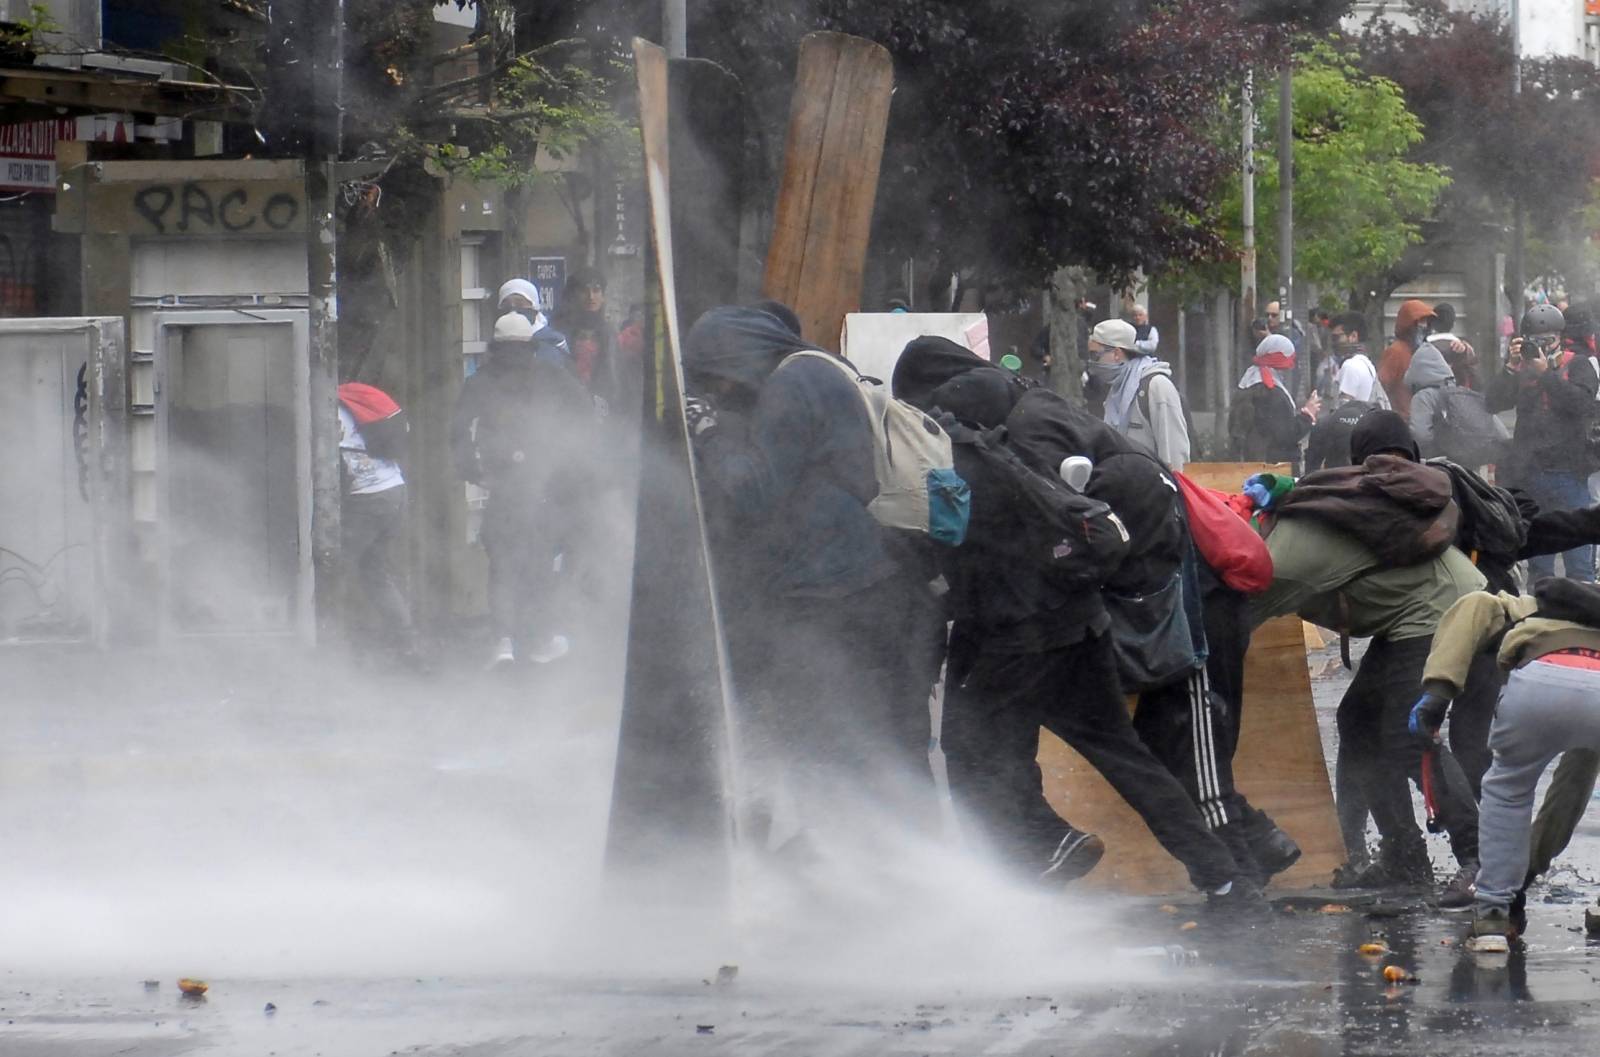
pixel 823 219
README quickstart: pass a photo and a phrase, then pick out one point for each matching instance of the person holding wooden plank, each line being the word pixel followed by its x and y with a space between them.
pixel 1367 550
pixel 833 634
pixel 1031 649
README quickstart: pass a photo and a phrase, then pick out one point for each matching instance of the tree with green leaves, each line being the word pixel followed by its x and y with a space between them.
pixel 1359 199
pixel 1540 145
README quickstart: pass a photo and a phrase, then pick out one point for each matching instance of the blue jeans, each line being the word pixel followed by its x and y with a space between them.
pixel 1561 490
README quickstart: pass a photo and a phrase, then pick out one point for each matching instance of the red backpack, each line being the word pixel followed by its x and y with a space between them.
pixel 382 422
pixel 1226 541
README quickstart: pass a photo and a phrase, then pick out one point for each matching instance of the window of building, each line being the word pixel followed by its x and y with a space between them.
pixel 475 323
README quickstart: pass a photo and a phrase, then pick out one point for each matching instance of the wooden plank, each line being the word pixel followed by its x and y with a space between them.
pixel 1280 764
pixel 672 794
pixel 1229 476
pixel 823 220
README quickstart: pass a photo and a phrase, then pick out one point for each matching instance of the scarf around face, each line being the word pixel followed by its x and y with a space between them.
pixel 1124 391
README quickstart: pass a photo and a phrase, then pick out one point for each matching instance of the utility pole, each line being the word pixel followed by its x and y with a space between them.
pixel 675 28
pixel 1286 207
pixel 1519 272
pixel 1247 260
pixel 323 143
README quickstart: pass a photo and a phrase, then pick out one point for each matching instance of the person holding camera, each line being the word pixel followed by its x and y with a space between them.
pixel 1553 391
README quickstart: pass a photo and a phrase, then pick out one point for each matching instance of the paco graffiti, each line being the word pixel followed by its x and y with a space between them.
pixel 191 207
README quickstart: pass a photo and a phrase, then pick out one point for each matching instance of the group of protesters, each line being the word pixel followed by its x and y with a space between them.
pixel 534 429
pixel 1086 566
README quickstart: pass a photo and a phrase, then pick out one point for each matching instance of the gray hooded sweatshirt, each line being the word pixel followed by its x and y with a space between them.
pixel 1431 381
pixel 1162 431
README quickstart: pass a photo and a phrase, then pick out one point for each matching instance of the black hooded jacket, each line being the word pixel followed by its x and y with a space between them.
pixel 790 489
pixel 1045 428
pixel 1554 410
pixel 524 427
pixel 999 604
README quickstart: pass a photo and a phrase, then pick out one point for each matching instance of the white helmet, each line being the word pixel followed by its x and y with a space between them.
pixel 523 287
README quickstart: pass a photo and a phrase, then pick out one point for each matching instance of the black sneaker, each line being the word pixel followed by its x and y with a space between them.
pixel 1406 862
pixel 1461 891
pixel 1239 896
pixel 1273 849
pixel 1362 873
pixel 1235 838
pixel 1076 855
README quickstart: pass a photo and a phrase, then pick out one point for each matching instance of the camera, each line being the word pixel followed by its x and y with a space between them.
pixel 1544 345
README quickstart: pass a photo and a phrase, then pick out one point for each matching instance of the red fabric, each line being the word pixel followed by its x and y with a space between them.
pixel 1225 540
pixel 1239 503
pixel 1278 361
pixel 367 403
pixel 1577 657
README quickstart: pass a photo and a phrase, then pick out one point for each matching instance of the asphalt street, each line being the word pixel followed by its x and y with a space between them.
pixel 400 868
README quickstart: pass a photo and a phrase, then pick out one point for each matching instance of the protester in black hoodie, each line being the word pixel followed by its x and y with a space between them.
pixel 811 584
pixel 1028 652
pixel 523 429
pixel 1193 722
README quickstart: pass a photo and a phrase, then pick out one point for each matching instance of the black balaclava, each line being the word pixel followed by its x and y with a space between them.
pixel 739 345
pixel 782 312
pixel 980 398
pixel 1382 431
pixel 927 363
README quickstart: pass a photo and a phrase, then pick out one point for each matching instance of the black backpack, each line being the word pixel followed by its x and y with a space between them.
pixel 1241 423
pixel 1036 519
pixel 1465 431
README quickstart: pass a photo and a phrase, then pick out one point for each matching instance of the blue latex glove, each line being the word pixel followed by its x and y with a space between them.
pixel 1259 493
pixel 1427 716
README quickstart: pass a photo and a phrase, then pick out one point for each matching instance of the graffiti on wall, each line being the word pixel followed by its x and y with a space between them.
pixel 190 208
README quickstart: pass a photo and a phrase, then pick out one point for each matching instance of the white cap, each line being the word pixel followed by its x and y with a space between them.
pixel 1117 333
pixel 513 326
pixel 523 287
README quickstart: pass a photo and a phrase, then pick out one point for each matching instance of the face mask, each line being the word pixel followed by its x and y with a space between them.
pixel 1423 330
pixel 1106 372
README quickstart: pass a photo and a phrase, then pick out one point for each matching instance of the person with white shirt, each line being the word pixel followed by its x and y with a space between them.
pixel 1350 378
pixel 371 518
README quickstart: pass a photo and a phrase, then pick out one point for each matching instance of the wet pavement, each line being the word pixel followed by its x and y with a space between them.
pixel 377 875
pixel 1294 987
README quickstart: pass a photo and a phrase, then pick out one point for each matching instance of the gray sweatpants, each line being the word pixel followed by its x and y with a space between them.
pixel 1544 710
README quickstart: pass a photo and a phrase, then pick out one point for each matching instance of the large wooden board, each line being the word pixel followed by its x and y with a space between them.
pixel 1280 765
pixel 672 792
pixel 823 219
pixel 1229 476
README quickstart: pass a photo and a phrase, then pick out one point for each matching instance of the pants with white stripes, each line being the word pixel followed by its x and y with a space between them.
pixel 1186 727
pixel 1192 726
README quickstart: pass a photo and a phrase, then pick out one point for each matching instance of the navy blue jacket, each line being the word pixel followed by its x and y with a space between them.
pixel 791 489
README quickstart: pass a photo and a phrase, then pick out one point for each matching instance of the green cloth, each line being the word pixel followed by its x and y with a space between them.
pixel 1571 788
pixel 1313 566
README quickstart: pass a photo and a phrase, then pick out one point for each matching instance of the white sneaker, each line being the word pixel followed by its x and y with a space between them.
pixel 557 648
pixel 503 654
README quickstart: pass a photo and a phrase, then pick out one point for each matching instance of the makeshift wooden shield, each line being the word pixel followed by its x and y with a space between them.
pixel 1280 766
pixel 672 795
pixel 830 181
